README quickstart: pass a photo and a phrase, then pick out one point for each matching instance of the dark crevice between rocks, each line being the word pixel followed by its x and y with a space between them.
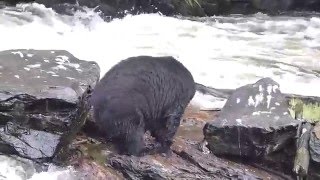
pixel 270 170
pixel 42 114
pixel 80 116
pixel 7 149
pixel 190 159
pixel 49 105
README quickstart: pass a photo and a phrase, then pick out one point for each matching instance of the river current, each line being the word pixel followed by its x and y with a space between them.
pixel 221 52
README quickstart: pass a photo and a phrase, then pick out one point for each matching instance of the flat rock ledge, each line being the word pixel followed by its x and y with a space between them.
pixel 43 100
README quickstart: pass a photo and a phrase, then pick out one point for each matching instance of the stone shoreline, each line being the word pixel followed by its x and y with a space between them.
pixel 44 105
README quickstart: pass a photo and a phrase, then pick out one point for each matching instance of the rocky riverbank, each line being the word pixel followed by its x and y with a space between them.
pixel 43 108
pixel 118 8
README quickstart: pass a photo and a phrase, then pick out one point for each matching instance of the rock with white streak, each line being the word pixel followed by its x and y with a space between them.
pixel 43 96
pixel 255 124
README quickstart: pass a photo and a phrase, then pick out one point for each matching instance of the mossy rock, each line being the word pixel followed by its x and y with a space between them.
pixel 189 7
pixel 306 110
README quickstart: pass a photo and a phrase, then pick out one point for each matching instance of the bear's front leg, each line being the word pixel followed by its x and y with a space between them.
pixel 133 143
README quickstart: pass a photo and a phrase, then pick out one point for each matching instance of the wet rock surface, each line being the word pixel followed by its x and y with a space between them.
pixel 255 123
pixel 42 95
pixel 314 143
pixel 88 169
pixel 187 161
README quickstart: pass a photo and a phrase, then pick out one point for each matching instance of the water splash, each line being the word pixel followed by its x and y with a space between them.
pixel 222 52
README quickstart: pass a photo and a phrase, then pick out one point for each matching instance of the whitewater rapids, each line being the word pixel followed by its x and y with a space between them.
pixel 221 52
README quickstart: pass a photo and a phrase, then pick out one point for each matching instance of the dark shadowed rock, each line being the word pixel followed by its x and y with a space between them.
pixel 309 4
pixel 273 6
pixel 255 123
pixel 241 7
pixel 210 9
pixel 43 98
pixel 315 143
pixel 110 9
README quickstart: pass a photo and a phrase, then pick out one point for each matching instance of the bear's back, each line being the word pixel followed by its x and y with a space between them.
pixel 155 82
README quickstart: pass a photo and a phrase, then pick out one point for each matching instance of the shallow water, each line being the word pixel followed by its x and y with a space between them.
pixel 221 52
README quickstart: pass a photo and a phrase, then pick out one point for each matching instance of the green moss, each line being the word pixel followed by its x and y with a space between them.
pixel 308 111
pixel 193 3
pixel 96 151
pixel 189 7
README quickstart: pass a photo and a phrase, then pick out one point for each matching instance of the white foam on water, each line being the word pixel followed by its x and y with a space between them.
pixel 222 52
pixel 14 168
pixel 9 172
pixel 56 173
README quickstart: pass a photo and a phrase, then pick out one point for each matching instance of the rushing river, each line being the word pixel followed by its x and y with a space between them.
pixel 221 52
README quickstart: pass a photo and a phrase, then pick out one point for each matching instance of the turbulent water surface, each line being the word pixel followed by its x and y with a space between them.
pixel 221 52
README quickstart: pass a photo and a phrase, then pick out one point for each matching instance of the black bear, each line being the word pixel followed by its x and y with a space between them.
pixel 140 94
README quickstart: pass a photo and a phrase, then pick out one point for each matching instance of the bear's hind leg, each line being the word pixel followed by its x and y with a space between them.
pixel 165 135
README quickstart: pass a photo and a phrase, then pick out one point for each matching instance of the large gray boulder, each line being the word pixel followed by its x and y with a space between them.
pixel 255 123
pixel 43 100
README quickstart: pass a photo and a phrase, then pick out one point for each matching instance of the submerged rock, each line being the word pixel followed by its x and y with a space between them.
pixel 255 123
pixel 40 108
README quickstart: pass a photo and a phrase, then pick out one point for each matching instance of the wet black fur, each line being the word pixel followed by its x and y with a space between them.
pixel 142 94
